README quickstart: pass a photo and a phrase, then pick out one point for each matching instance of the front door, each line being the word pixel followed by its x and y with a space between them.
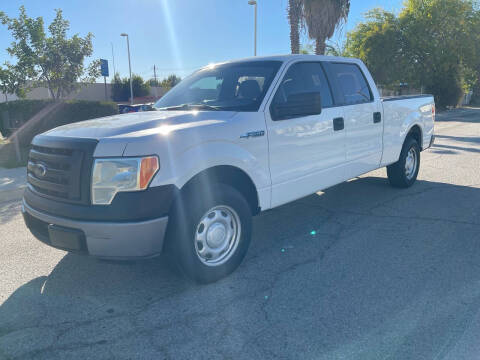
pixel 306 153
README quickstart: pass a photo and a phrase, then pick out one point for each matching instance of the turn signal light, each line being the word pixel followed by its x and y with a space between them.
pixel 148 168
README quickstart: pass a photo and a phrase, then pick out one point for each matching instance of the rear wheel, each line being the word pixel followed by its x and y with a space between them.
pixel 404 172
pixel 210 232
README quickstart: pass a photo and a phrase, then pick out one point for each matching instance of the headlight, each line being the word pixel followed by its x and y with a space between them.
pixel 111 176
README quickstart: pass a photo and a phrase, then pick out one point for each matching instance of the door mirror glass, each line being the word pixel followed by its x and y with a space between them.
pixel 297 105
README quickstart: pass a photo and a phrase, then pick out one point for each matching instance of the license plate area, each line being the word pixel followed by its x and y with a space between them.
pixel 66 238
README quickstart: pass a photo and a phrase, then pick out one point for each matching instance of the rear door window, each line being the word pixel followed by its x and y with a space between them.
pixel 351 82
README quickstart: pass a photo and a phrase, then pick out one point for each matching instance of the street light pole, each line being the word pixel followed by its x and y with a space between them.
pixel 113 59
pixel 129 67
pixel 254 3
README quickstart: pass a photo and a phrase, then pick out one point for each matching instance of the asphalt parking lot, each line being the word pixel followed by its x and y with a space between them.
pixel 361 271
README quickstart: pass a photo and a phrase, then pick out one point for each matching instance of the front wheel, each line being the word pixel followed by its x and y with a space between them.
pixel 404 172
pixel 210 232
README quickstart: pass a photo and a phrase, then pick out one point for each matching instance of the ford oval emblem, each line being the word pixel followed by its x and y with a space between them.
pixel 40 170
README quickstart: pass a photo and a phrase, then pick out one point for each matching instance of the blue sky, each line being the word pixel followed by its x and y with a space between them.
pixel 177 36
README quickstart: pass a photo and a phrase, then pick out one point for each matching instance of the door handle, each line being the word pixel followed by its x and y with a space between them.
pixel 377 117
pixel 338 124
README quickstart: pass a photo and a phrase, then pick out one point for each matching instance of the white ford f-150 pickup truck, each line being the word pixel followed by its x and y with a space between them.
pixel 227 142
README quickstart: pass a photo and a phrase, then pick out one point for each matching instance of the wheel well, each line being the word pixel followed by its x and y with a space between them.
pixel 416 133
pixel 228 175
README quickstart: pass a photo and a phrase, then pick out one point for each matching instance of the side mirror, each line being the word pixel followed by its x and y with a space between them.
pixel 297 105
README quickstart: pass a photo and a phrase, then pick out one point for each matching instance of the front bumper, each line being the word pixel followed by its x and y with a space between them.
pixel 115 240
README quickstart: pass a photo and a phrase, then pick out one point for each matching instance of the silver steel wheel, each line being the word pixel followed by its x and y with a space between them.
pixel 217 235
pixel 411 162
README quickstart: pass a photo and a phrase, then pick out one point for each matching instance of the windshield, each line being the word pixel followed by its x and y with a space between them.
pixel 237 86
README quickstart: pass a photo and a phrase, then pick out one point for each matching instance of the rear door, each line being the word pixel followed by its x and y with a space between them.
pixel 363 118
pixel 306 153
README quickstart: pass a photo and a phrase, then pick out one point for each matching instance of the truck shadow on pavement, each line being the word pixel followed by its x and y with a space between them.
pixel 466 139
pixel 470 144
pixel 359 271
pixel 465 115
pixel 453 148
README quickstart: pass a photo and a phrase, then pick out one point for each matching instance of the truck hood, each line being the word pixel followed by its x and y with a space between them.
pixel 139 124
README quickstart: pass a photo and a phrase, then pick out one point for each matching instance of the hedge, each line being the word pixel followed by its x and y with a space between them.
pixel 73 111
pixel 18 113
pixel 66 112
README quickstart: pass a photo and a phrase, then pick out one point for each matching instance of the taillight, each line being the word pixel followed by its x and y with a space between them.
pixel 433 111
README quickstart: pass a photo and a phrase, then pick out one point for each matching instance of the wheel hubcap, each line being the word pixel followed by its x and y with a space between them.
pixel 410 163
pixel 217 235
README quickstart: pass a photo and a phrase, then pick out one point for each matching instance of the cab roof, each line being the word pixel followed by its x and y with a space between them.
pixel 290 57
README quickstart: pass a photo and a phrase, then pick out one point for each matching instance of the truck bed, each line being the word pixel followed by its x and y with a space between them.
pixel 403 97
pixel 399 112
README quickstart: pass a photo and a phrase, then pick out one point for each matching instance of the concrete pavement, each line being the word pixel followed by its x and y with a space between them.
pixel 361 271
pixel 12 183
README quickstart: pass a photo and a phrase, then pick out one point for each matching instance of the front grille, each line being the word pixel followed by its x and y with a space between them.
pixel 60 169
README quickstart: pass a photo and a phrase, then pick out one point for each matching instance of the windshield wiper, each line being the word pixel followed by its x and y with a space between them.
pixel 191 106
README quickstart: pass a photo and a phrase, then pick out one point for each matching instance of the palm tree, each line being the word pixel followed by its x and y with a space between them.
pixel 322 17
pixel 295 13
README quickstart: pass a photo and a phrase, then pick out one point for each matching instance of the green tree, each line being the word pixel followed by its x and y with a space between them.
pixel 12 81
pixel 378 42
pixel 121 87
pixel 331 49
pixel 120 92
pixel 52 60
pixel 335 49
pixel 437 36
pixel 474 61
pixel 153 82
pixel 140 88
pixel 170 81
pixel 432 44
pixel 322 17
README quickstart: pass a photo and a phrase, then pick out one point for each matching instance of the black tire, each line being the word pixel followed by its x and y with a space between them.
pixel 188 211
pixel 398 175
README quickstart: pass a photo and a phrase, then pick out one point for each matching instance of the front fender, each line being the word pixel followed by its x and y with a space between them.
pixel 202 157
pixel 181 167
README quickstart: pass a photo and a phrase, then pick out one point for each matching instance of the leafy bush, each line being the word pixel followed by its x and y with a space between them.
pixel 57 114
pixel 476 94
pixel 447 89
pixel 78 110
pixel 170 81
pixel 13 114
pixel 121 87
pixel 432 44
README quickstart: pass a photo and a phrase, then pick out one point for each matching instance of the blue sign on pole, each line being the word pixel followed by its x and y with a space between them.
pixel 104 67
